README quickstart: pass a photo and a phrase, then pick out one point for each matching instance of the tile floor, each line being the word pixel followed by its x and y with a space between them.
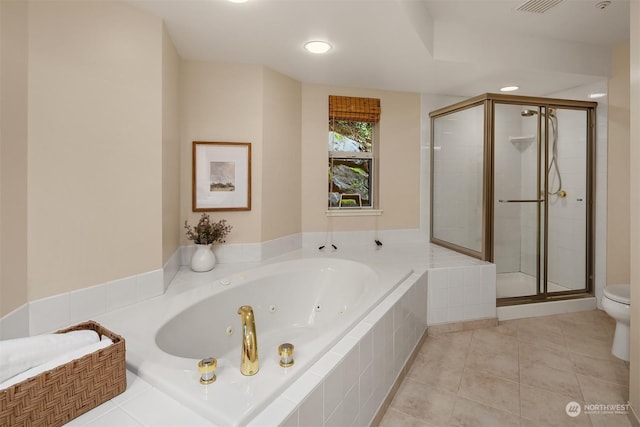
pixel 520 373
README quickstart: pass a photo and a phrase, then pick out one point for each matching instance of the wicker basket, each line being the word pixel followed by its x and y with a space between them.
pixel 55 397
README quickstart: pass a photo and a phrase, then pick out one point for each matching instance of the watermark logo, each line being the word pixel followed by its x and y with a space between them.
pixel 606 409
pixel 573 409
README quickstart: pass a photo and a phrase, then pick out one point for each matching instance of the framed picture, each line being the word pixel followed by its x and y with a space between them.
pixel 221 176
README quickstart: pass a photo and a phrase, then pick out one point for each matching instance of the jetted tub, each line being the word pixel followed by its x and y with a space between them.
pixel 310 302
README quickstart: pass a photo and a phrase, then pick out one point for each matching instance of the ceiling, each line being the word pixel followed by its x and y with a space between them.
pixel 447 47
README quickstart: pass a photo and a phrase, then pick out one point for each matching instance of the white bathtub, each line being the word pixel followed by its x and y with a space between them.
pixel 310 302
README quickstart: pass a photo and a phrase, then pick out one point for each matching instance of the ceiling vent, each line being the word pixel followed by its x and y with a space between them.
pixel 538 6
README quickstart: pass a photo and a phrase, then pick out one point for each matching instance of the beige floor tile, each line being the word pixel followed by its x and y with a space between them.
pixel 424 402
pixel 393 418
pixel 543 408
pixel 447 345
pixel 541 331
pixel 570 422
pixel 610 420
pixel 440 361
pixel 545 323
pixel 603 392
pixel 468 413
pixel 492 391
pixel 591 324
pixel 527 367
pixel 480 324
pixel 600 348
pixel 439 372
pixel 603 369
pixel 591 319
pixel 494 356
pixel 550 379
pixel 495 337
pixel 507 327
pixel 550 357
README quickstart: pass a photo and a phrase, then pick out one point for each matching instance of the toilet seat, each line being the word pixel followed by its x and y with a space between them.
pixel 618 293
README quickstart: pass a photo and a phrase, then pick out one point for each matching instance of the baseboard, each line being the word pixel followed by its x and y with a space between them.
pixel 15 324
pixel 468 325
pixel 522 311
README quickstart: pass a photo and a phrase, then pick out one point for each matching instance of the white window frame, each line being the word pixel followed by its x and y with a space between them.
pixel 373 176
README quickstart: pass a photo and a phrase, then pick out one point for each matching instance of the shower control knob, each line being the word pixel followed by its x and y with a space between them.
pixel 562 194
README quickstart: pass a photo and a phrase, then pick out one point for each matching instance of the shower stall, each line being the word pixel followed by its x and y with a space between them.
pixel 512 182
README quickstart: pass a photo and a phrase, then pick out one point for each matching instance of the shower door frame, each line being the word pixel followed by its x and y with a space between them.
pixel 489 100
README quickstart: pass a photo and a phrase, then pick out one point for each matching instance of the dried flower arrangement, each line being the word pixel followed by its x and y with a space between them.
pixel 207 232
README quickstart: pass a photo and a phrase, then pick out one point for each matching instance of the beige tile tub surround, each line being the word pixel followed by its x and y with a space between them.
pixel 518 373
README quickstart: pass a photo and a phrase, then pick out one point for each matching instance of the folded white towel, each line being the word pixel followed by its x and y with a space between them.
pixel 18 355
pixel 60 360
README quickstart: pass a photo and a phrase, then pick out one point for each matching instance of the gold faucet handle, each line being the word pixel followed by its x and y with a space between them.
pixel 286 354
pixel 207 368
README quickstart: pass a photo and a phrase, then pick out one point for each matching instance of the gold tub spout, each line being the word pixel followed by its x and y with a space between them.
pixel 249 355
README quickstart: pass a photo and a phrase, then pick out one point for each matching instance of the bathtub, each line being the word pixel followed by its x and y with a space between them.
pixel 309 302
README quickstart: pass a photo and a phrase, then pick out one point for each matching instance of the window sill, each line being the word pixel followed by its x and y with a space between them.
pixel 354 212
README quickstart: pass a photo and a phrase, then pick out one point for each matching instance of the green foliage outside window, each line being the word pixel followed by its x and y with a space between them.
pixel 360 132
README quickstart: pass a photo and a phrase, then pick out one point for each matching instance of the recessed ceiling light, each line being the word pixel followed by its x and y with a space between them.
pixel 238 1
pixel 509 88
pixel 597 95
pixel 317 46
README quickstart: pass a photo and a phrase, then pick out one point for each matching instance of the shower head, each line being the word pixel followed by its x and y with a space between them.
pixel 529 113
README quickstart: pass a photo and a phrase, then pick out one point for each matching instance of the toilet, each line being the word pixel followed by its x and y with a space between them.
pixel 616 302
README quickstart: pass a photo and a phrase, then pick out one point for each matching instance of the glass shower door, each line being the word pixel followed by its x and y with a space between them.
pixel 567 199
pixel 541 196
pixel 518 203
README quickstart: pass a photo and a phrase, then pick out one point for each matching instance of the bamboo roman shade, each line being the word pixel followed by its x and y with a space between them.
pixel 354 109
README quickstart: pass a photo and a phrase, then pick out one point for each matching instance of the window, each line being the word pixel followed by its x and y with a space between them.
pixel 351 149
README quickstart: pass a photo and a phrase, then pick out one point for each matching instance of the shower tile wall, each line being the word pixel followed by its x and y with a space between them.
pixel 459 294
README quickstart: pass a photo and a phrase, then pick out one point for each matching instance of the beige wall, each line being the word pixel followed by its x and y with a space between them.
pixel 281 165
pixel 398 165
pixel 634 380
pixel 13 155
pixel 618 169
pixel 170 148
pixel 94 175
pixel 222 103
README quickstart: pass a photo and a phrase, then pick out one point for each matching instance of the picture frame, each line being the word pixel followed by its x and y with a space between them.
pixel 221 176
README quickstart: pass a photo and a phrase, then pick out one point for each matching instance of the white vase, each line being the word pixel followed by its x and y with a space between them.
pixel 203 259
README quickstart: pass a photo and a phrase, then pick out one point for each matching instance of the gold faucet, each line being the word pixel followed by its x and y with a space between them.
pixel 249 355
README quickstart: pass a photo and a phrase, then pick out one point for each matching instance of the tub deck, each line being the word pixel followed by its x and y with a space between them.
pixel 460 289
